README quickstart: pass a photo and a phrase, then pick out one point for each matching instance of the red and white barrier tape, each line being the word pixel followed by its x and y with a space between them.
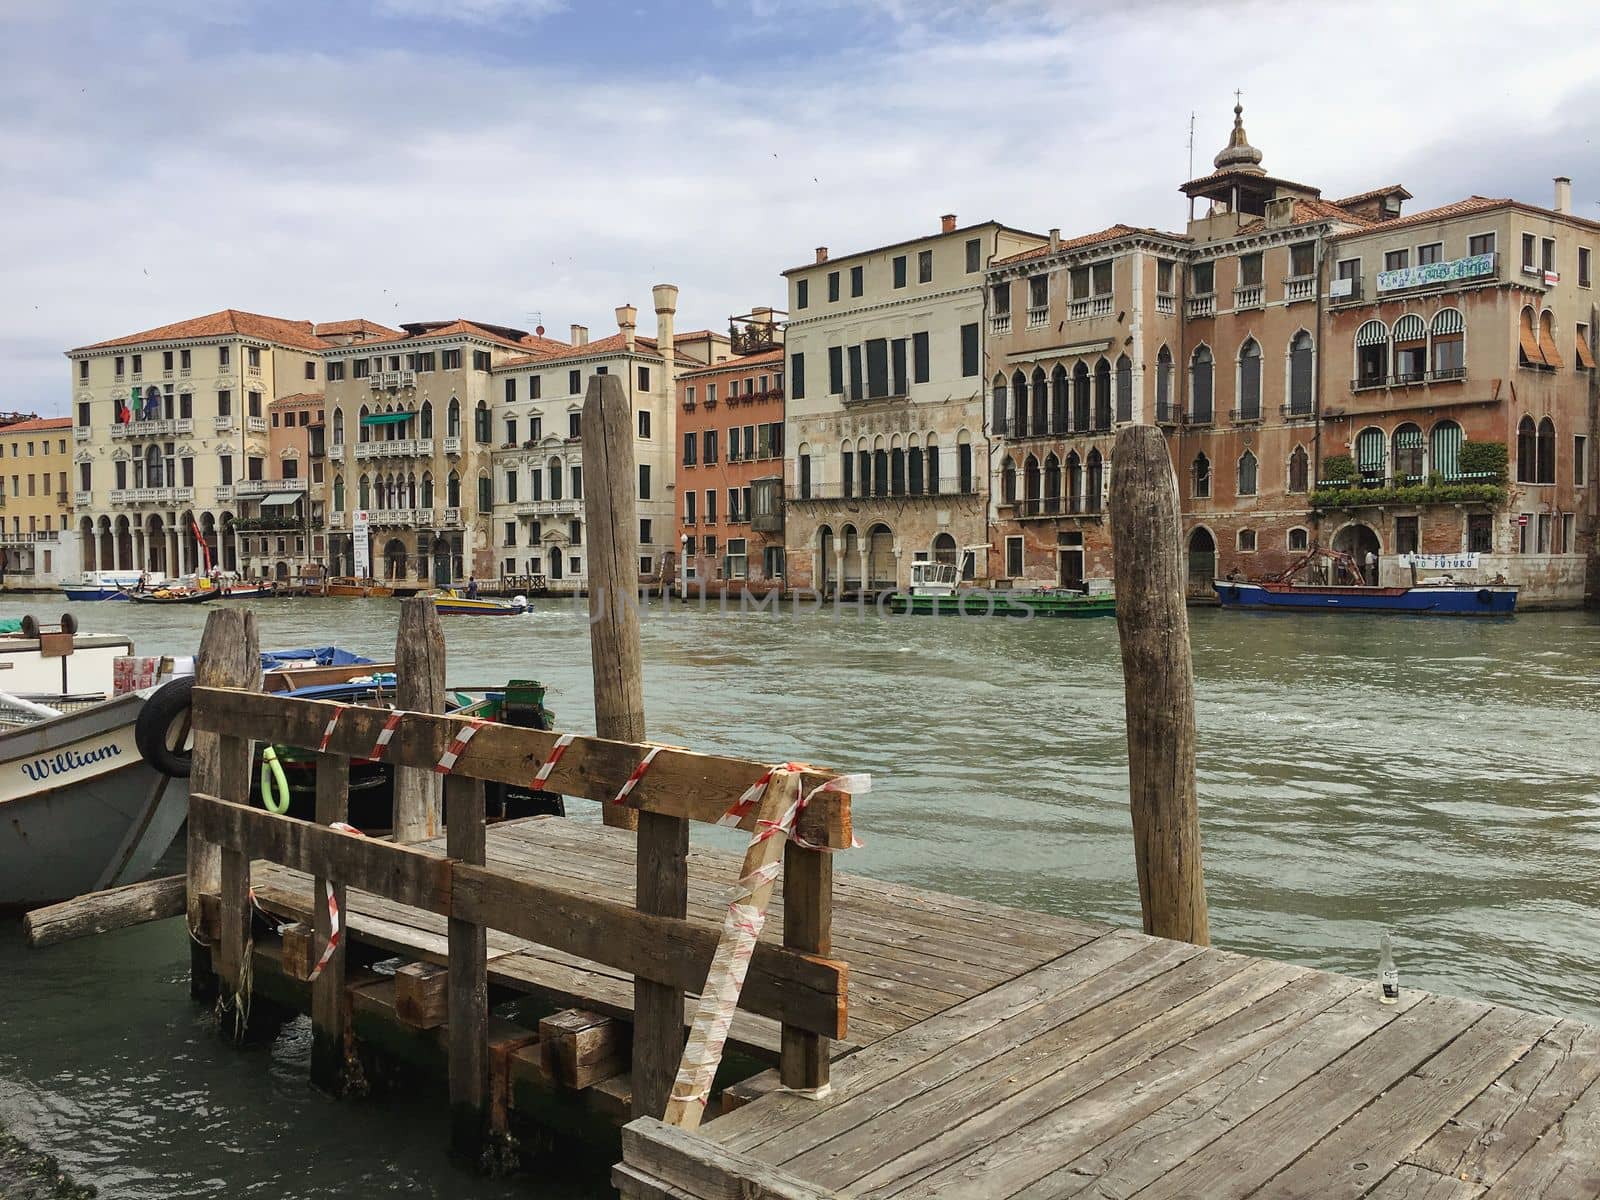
pixel 327 733
pixel 452 752
pixel 381 746
pixel 638 773
pixel 334 929
pixel 549 765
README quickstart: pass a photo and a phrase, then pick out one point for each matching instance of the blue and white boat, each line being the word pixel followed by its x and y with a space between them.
pixel 1341 587
pixel 106 585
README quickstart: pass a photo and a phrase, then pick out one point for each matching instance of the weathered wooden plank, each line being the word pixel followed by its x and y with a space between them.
pixel 468 1000
pixel 297 949
pixel 679 783
pixel 329 1029
pixel 804 991
pixel 1160 1140
pixel 634 1185
pixel 1407 1182
pixel 1378 1138
pixel 580 1048
pixel 1037 1077
pixel 958 1038
pixel 1486 1138
pixel 234 928
pixel 419 658
pixel 807 925
pixel 102 912
pixel 1258 1148
pixel 422 995
pixel 1043 1136
pixel 704 1169
pixel 1565 1165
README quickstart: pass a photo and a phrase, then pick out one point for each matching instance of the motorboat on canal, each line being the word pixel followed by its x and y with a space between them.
pixel 103 585
pixel 935 591
pixel 450 603
pixel 1332 581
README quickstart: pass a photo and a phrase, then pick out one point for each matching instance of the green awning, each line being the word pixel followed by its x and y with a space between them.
pixel 279 499
pixel 386 418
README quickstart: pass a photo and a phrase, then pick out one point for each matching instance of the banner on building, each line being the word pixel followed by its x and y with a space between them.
pixel 1441 562
pixel 1471 267
pixel 359 528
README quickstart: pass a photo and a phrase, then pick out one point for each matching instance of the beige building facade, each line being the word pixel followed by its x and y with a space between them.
pixel 38 548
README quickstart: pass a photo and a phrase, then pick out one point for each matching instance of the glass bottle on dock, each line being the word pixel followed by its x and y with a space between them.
pixel 1388 973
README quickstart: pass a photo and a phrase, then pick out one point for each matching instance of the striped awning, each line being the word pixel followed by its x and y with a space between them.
pixel 1547 342
pixel 388 418
pixel 1369 450
pixel 1408 437
pixel 1373 333
pixel 1448 320
pixel 1410 328
pixel 1446 442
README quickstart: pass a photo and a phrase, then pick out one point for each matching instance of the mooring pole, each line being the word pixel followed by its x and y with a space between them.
pixel 419 687
pixel 1158 682
pixel 230 657
pixel 662 882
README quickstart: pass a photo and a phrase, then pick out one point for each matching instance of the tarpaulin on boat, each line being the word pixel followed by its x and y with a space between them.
pixel 322 656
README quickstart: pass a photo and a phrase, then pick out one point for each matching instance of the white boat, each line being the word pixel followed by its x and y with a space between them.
pixel 107 585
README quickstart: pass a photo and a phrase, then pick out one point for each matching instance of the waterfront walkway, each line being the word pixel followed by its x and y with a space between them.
pixel 993 1053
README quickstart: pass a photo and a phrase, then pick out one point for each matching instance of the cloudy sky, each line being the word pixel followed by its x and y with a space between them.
pixel 521 161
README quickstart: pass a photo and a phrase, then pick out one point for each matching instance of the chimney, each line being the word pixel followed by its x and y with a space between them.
pixel 822 254
pixel 1055 239
pixel 627 320
pixel 580 335
pixel 947 223
pixel 1563 194
pixel 666 299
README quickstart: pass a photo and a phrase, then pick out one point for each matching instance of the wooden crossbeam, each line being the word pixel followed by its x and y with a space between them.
pixel 679 783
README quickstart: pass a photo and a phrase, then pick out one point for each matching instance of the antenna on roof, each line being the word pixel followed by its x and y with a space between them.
pixel 1191 160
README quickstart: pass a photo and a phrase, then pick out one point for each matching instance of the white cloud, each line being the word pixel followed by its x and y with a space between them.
pixel 472 12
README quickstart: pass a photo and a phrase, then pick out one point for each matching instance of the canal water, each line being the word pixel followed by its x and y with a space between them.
pixel 1436 779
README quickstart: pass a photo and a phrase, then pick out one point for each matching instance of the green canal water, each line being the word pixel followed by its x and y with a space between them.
pixel 1437 779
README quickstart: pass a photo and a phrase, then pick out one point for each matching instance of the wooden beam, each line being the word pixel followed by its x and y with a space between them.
pixel 421 995
pixel 419 687
pixel 1158 681
pixel 579 1048
pixel 297 950
pixel 807 926
pixel 465 839
pixel 699 1167
pixel 329 1019
pixel 101 912
pixel 679 783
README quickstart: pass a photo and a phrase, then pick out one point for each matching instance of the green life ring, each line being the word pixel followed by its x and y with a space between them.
pixel 272 772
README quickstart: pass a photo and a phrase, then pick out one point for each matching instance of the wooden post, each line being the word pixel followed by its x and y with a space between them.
pixel 327 989
pixel 662 878
pixel 1158 683
pixel 468 996
pixel 230 656
pixel 419 687
pixel 808 926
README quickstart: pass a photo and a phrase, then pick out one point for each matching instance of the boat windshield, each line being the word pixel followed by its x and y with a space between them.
pixel 924 573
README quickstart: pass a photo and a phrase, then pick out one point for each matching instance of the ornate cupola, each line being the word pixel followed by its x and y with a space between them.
pixel 1239 155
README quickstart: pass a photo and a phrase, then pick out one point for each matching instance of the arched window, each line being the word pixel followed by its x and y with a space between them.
pixel 482 432
pixel 1372 355
pixel 1299 538
pixel 1060 399
pixel 914 474
pixel 363 493
pixel 1247 474
pixel 1300 375
pixel 897 471
pixel 363 430
pixel 1250 381
pixel 1200 473
pixel 1124 389
pixel 152 466
pixel 1102 395
pixel 338 493
pixel 552 473
pixel 1030 486
pixel 452 491
pixel 944 549
pixel 1410 349
pixel 1449 333
pixel 1444 450
pixel 1527 451
pixel 1074 483
pixel 425 421
pixel 880 472
pixel 1200 411
pixel 338 427
pixel 1408 466
pixel 427 490
pixel 485 492
pixel 1019 404
pixel 998 420
pixel 1372 456
pixel 1299 469
pixel 1528 354
pixel 1081 400
pixel 1093 481
pixel 411 489
pixel 1052 483
pixel 1547 451
pixel 1164 385
pixel 1008 481
pixel 452 424
pixel 1041 402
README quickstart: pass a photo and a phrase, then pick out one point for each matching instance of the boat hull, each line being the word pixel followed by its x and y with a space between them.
pixel 83 594
pixel 1491 601
pixel 80 810
pixel 476 608
pixel 187 598
pixel 1001 604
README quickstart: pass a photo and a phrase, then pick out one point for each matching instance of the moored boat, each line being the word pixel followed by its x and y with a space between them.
pixel 356 588
pixel 451 603
pixel 175 596
pixel 103 585
pixel 1340 586
pixel 934 591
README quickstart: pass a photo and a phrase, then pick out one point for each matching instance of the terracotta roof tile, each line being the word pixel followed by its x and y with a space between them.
pixel 228 322
pixel 38 425
pixel 1308 211
pixel 1269 180
pixel 767 358
pixel 461 327
pixel 298 396
pixel 1373 194
pixel 1459 208
pixel 1111 234
pixel 359 325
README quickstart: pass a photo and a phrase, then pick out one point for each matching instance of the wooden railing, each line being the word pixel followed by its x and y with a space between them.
pixel 792 982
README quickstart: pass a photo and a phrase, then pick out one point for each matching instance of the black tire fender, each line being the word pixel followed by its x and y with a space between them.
pixel 1485 596
pixel 154 723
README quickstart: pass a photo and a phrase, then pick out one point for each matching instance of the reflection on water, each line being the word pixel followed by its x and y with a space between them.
pixel 1435 778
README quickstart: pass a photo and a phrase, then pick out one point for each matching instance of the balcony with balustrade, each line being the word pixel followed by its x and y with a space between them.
pixel 247 489
pixel 154 428
pixel 1200 306
pixel 336 452
pixel 255 424
pixel 224 423
pixel 1166 303
pixel 397 448
pixel 1088 308
pixel 401 518
pixel 152 495
pixel 1038 318
pixel 80 433
pixel 549 508
pixel 1300 287
pixel 1251 295
pixel 452 519
pixel 1000 324
pixel 82 499
pixel 452 446
pixel 336 520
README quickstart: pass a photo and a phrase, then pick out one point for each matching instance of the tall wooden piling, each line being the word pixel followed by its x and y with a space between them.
pixel 230 656
pixel 419 687
pixel 327 989
pixel 1158 682
pixel 662 873
pixel 468 996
